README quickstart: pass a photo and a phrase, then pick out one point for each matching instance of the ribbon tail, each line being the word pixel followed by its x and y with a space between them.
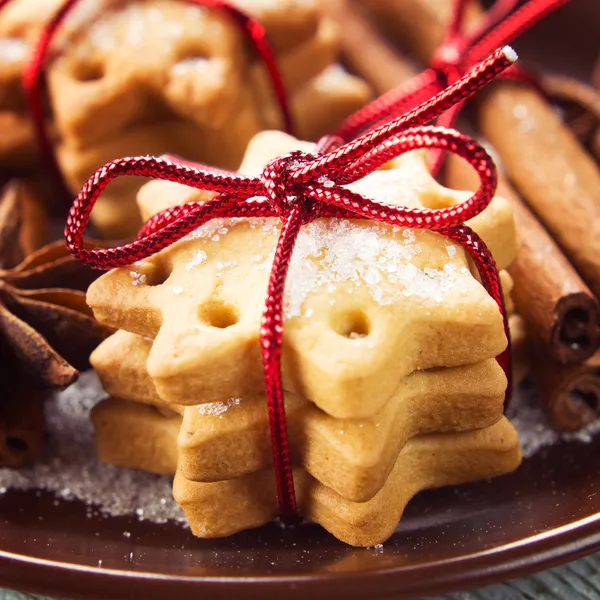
pixel 396 102
pixel 431 109
pixel 524 18
pixel 490 279
pixel 271 338
pixel 499 10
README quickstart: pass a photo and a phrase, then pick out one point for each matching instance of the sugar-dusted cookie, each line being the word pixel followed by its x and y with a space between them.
pixel 230 438
pixel 366 303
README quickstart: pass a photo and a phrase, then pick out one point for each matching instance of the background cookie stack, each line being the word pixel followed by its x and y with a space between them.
pixel 156 76
pixel 388 361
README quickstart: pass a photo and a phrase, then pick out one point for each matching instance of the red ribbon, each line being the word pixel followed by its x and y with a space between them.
pixel 291 187
pixel 33 75
pixel 459 52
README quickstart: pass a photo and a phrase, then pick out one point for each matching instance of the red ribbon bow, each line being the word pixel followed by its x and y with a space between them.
pixel 33 75
pixel 459 52
pixel 292 188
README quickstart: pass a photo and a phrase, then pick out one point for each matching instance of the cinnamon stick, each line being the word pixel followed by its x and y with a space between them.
pixel 21 423
pixel 561 311
pixel 559 180
pixel 571 392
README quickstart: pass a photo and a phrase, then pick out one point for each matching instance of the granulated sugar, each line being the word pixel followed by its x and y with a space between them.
pixel 218 409
pixel 70 468
pixel 374 256
pixel 535 432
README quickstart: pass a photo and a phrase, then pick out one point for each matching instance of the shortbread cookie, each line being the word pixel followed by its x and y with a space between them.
pixel 136 436
pixel 141 61
pixel 299 65
pixel 120 362
pixel 366 303
pixel 353 457
pixel 226 507
pixel 21 22
pixel 336 94
pixel 230 438
pixel 160 76
pixel 149 35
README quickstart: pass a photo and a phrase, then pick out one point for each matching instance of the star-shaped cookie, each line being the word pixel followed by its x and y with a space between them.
pixel 230 438
pixel 366 304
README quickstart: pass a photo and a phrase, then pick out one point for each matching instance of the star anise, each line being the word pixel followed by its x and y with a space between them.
pixel 47 330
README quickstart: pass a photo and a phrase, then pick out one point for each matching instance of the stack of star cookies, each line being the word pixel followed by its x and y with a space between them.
pixel 388 360
pixel 163 76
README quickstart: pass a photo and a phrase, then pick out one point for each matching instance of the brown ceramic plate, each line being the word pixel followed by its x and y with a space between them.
pixel 545 513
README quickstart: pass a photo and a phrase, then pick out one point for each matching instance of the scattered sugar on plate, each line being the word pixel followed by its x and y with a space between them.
pixel 533 427
pixel 71 470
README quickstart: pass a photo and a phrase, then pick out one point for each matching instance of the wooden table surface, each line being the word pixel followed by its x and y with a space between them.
pixel 579 580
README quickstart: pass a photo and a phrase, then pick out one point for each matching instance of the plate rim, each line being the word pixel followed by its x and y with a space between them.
pixel 532 554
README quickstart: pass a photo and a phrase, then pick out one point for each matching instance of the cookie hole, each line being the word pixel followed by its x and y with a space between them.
pixel 352 325
pixel 436 199
pixel 17 444
pixel 88 72
pixel 158 275
pixel 219 314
